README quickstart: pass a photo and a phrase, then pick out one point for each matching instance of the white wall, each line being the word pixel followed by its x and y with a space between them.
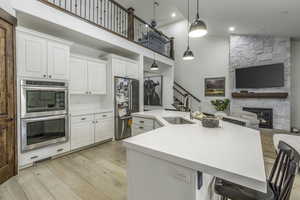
pixel 295 84
pixel 6 5
pixel 211 60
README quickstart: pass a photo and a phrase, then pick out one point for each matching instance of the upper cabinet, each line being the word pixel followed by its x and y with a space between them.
pixel 58 61
pixel 78 76
pixel 132 70
pixel 41 56
pixel 31 56
pixel 87 76
pixel 97 77
pixel 125 67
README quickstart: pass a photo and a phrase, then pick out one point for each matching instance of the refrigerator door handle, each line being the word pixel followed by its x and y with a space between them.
pixel 131 97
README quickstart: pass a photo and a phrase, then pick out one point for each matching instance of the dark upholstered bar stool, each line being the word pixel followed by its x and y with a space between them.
pixel 280 182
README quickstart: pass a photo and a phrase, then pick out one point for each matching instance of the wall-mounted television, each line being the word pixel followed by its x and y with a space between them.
pixel 265 76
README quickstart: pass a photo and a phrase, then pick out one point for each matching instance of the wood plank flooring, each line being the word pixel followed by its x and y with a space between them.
pixel 98 173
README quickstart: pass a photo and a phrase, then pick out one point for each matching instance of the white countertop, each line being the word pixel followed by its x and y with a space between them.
pixel 231 152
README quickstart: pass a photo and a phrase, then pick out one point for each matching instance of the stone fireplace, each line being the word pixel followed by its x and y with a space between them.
pixel 264 115
pixel 248 51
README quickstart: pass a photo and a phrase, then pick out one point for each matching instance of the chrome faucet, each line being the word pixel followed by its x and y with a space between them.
pixel 191 115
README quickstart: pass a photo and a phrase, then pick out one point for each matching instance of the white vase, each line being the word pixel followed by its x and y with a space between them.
pixel 220 114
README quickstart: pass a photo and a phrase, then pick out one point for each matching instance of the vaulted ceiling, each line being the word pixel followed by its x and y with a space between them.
pixel 268 17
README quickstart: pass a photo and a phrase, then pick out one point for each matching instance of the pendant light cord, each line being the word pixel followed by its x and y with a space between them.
pixel 188 23
pixel 198 9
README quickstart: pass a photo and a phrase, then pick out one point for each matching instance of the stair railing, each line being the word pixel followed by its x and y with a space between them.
pixel 113 17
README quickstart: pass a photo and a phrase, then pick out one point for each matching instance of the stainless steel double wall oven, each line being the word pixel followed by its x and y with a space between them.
pixel 44 113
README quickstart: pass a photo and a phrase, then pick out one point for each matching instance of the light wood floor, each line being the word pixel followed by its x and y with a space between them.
pixel 94 174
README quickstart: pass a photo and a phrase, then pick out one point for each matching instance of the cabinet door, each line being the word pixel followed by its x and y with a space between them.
pixel 31 56
pixel 132 70
pixel 104 130
pixel 78 76
pixel 97 78
pixel 82 134
pixel 58 61
pixel 119 68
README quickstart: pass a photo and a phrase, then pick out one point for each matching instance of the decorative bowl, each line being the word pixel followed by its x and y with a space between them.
pixel 210 122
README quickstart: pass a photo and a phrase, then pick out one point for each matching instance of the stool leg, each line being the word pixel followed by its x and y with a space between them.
pixel 224 198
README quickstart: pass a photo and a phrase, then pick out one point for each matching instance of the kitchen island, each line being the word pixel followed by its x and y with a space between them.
pixel 180 161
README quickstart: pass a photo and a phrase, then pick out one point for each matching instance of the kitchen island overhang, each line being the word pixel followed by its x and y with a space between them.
pixel 231 152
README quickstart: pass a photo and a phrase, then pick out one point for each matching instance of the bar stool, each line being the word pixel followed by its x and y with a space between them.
pixel 280 182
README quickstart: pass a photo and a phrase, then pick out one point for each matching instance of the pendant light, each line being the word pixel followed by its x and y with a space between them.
pixel 198 27
pixel 154 66
pixel 188 54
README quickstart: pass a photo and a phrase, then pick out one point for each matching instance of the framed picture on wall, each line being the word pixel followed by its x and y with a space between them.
pixel 215 87
pixel 153 90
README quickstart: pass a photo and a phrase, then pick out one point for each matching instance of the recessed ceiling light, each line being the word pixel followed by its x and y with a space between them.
pixel 146 25
pixel 173 15
pixel 231 29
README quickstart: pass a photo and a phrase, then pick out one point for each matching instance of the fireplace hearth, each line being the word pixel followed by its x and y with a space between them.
pixel 264 115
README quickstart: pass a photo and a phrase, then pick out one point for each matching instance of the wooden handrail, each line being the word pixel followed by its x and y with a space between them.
pixel 190 94
pixel 178 91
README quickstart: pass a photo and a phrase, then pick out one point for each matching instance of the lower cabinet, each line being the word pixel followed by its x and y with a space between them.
pixel 142 125
pixel 104 130
pixel 30 157
pixel 90 129
pixel 82 133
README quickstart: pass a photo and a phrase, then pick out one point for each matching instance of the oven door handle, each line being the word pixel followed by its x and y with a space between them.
pixel 45 118
pixel 45 88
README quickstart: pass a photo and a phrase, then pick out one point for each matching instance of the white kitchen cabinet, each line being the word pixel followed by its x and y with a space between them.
pixel 58 61
pixel 30 157
pixel 90 129
pixel 31 56
pixel 82 131
pixel 132 70
pixel 104 129
pixel 142 125
pixel 42 56
pixel 119 68
pixel 78 76
pixel 97 77
pixel 88 76
pixel 125 68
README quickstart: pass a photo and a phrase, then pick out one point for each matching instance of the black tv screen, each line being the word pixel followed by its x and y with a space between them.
pixel 266 76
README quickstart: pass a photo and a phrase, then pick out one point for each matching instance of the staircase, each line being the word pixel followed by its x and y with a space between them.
pixel 180 95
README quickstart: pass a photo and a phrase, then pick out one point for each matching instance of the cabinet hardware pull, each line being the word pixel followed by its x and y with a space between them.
pixel 33 157
pixel 104 115
pixel 142 122
pixel 83 118
pixel 59 150
pixel 50 76
pixel 87 92
pixel 10 119
pixel 45 76
pixel 141 127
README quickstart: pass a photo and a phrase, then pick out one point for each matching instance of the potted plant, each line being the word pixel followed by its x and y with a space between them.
pixel 221 106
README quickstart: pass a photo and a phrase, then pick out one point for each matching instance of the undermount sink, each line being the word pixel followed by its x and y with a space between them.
pixel 177 120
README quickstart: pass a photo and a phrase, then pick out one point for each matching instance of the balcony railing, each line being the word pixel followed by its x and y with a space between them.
pixel 113 17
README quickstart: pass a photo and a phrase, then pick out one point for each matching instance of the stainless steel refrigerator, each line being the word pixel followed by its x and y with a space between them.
pixel 126 103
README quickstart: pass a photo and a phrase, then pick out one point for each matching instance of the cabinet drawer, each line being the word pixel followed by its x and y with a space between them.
pixel 82 118
pixel 40 154
pixel 136 130
pixel 104 115
pixel 144 122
